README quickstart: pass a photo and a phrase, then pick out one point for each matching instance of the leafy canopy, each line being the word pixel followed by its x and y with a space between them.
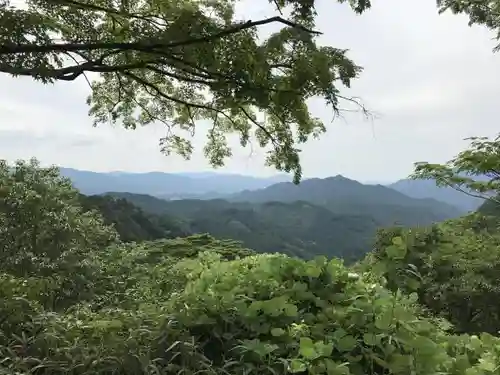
pixel 178 62
pixel 480 12
pixel 475 171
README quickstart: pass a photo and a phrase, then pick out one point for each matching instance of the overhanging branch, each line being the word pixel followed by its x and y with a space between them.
pixel 143 46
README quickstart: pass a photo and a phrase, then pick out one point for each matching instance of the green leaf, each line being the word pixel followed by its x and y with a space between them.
pixel 313 270
pixel 291 310
pixel 383 321
pixel 487 364
pixel 307 349
pixel 395 252
pixel 346 343
pixel 397 241
pixel 370 339
pixel 324 349
pixel 297 365
pixel 276 332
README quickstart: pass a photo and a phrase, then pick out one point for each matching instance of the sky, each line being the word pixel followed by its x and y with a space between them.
pixel 430 79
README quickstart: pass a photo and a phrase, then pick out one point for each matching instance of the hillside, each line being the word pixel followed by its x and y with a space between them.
pixel 428 189
pixel 299 228
pixel 344 196
pixel 130 221
pixel 166 185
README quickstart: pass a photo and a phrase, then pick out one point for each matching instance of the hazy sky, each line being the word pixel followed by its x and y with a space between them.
pixel 432 79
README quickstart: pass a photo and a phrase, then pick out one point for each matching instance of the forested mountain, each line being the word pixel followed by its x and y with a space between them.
pixel 130 221
pixel 299 228
pixel 336 217
pixel 344 196
pixel 167 185
pixel 211 185
pixel 428 189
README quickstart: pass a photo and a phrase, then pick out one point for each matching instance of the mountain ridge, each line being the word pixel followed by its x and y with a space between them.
pixel 343 195
pixel 215 185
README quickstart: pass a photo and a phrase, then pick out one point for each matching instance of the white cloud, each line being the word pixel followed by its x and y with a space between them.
pixel 433 79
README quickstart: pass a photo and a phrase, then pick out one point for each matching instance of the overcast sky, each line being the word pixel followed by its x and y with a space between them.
pixel 432 79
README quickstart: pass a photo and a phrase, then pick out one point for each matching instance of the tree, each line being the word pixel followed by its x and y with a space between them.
pixel 42 227
pixel 480 12
pixel 475 171
pixel 178 62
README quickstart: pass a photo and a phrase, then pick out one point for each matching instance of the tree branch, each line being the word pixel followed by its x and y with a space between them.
pixel 143 46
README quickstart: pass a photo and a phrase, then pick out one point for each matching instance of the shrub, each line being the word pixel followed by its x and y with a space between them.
pixel 454 267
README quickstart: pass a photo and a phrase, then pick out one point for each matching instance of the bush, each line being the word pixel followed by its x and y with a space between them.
pixel 270 314
pixel 454 267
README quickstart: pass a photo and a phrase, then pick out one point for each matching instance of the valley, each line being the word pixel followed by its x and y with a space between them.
pixel 334 216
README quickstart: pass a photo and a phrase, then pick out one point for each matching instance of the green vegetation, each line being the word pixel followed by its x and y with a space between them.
pixel 454 267
pixel 480 12
pixel 179 62
pixel 77 300
pixel 297 229
pixel 474 172
pixel 344 196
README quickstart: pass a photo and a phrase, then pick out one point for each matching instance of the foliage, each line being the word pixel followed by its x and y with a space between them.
pixel 454 267
pixel 128 272
pixel 480 12
pixel 179 62
pixel 199 305
pixel 266 314
pixel 491 209
pixel 474 172
pixel 41 222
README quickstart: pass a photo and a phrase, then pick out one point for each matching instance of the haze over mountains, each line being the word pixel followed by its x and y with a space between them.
pixel 211 185
pixel 167 185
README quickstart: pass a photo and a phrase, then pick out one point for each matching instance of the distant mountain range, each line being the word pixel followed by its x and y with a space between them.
pixel 428 189
pixel 167 185
pixel 344 196
pixel 211 185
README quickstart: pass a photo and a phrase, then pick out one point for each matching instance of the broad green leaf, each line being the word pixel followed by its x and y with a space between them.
pixel 395 252
pixel 307 349
pixel 370 339
pixel 277 332
pixel 297 365
pixel 384 320
pixel 291 310
pixel 346 343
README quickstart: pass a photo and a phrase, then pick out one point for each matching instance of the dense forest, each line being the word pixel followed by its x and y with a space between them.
pixel 127 284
